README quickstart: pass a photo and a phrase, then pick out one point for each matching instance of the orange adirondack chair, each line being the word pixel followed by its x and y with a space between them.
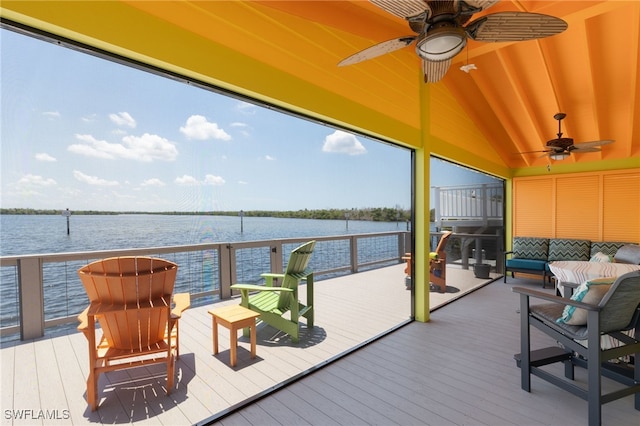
pixel 438 264
pixel 131 300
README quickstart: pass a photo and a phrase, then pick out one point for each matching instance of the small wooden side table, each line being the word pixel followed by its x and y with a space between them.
pixel 234 317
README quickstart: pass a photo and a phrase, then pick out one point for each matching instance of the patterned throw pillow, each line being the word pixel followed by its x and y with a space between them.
pixel 590 292
pixel 566 249
pixel 607 247
pixel 530 248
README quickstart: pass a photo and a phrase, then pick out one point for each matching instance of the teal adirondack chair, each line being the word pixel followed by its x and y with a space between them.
pixel 279 306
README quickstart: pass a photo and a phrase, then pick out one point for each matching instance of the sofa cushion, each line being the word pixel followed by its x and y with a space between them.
pixel 590 292
pixel 629 253
pixel 567 249
pixel 607 247
pixel 531 264
pixel 530 248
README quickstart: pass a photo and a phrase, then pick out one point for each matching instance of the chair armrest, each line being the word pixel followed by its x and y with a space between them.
pixel 182 303
pixel 84 320
pixel 555 299
pixel 253 287
pixel 270 276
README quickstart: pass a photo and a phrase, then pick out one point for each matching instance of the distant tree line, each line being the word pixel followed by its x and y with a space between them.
pixel 53 211
pixel 376 214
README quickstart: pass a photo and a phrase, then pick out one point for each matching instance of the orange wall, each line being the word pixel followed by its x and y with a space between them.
pixel 598 206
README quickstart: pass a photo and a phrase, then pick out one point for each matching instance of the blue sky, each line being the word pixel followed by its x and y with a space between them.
pixel 84 133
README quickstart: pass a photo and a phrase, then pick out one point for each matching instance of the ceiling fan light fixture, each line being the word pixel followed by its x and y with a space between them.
pixel 557 156
pixel 441 42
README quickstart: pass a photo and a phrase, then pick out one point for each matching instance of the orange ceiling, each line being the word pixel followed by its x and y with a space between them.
pixel 590 71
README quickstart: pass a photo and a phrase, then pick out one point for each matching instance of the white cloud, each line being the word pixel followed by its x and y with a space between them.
pixel 246 108
pixel 123 119
pixel 93 180
pixel 51 114
pixel 343 143
pixel 36 180
pixel 243 128
pixel 43 156
pixel 208 180
pixel 92 147
pixel 89 118
pixel 144 148
pixel 153 182
pixel 269 158
pixel 242 182
pixel 213 180
pixel 150 147
pixel 186 180
pixel 197 127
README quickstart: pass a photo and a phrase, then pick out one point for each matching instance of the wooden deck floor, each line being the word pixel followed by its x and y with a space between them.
pixel 458 369
pixel 442 372
pixel 47 376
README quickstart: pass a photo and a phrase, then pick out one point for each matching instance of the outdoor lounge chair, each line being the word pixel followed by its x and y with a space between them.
pixel 130 297
pixel 580 333
pixel 276 303
pixel 438 264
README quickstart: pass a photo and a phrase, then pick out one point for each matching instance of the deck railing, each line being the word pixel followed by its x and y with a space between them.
pixel 43 290
pixel 481 203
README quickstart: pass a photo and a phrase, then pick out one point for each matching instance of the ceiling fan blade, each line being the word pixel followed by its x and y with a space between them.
pixel 592 144
pixel 378 50
pixel 402 9
pixel 535 152
pixel 481 4
pixel 580 150
pixel 514 26
pixel 435 71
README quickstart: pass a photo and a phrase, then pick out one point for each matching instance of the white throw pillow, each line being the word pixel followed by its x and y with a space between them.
pixel 590 292
pixel 600 257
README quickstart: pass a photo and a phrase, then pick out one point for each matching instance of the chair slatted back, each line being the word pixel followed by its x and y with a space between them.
pixel 131 298
pixel 620 302
pixel 295 271
pixel 443 241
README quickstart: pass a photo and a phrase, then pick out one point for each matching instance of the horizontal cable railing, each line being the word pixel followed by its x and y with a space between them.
pixel 41 291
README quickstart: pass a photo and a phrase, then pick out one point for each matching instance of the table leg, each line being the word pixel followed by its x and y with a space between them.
pixel 215 335
pixel 234 346
pixel 253 339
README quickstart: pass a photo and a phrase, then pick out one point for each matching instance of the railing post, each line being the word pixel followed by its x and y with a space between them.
pixel 277 264
pixel 485 204
pixel 227 267
pixel 31 298
pixel 353 245
pixel 401 246
pixel 436 205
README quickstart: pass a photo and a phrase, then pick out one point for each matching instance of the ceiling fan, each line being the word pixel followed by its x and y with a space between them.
pixel 440 34
pixel 561 148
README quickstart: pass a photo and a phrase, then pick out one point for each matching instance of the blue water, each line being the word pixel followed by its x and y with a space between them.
pixel 198 271
pixel 37 234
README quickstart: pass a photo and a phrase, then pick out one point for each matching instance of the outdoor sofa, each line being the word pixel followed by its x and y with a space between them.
pixel 532 255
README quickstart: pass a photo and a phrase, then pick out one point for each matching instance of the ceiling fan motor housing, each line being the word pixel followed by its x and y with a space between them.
pixel 560 143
